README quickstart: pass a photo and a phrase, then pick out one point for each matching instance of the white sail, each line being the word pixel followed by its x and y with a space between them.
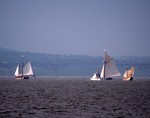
pixel 27 70
pixel 109 68
pixel 17 71
pixel 102 72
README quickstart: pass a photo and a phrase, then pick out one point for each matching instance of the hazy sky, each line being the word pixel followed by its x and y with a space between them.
pixel 86 27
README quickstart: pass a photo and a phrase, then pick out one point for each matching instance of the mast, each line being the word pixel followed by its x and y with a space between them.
pixel 103 71
pixel 104 68
pixel 97 70
pixel 104 62
pixel 127 71
pixel 22 64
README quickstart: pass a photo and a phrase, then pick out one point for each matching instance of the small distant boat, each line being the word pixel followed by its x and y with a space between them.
pixel 109 69
pixel 128 75
pixel 96 76
pixel 24 71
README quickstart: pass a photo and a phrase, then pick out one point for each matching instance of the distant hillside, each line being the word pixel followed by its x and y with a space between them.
pixel 67 65
pixel 48 64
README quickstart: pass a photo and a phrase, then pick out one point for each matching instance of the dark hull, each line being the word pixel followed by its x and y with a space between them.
pixel 109 78
pixel 131 78
pixel 26 77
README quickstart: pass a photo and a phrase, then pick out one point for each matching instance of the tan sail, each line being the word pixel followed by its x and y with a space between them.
pixel 128 74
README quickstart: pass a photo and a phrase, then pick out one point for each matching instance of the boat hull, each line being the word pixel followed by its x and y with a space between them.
pixel 95 79
pixel 22 77
pixel 109 78
pixel 128 79
pixel 26 77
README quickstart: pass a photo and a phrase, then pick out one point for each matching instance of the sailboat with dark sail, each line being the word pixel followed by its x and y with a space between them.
pixel 109 69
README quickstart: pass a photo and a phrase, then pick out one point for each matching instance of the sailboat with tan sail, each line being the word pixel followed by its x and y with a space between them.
pixel 128 75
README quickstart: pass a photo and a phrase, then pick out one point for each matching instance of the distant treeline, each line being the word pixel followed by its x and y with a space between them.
pixel 67 65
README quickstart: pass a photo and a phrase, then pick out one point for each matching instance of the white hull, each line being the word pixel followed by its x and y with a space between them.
pixel 19 78
pixel 95 78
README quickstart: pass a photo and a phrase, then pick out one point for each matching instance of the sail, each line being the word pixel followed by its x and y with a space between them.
pixel 27 70
pixel 109 68
pixel 102 72
pixel 17 71
pixel 128 74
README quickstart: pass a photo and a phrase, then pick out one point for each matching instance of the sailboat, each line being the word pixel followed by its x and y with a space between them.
pixel 24 71
pixel 109 69
pixel 96 76
pixel 128 75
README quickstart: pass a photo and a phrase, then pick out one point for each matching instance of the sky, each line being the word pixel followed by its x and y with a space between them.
pixel 82 27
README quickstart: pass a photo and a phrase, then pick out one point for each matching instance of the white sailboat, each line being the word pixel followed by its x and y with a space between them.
pixel 24 72
pixel 96 76
pixel 128 75
pixel 109 69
